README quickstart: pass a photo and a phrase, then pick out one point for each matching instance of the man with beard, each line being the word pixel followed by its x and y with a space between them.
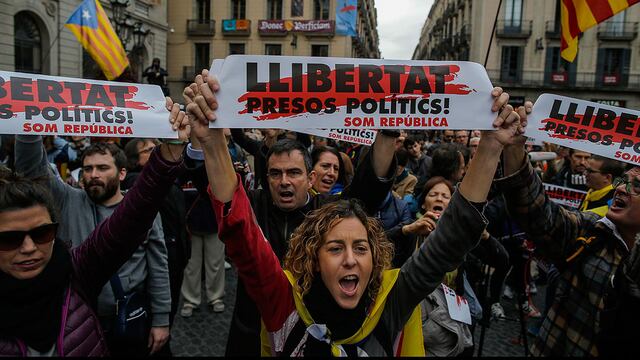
pixel 572 173
pixel 103 168
pixel 284 202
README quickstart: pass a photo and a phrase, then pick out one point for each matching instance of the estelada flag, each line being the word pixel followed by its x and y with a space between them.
pixel 580 15
pixel 91 26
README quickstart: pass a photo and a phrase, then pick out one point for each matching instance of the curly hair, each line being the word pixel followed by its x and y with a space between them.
pixel 302 257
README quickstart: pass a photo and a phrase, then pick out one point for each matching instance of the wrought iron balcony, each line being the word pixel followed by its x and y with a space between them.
pixel 514 29
pixel 201 27
pixel 618 30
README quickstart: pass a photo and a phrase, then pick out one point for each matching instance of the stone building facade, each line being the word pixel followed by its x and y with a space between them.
pixel 33 37
pixel 203 30
pixel 524 54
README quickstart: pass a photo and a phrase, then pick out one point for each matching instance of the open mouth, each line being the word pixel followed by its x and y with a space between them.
pixel 349 284
pixel 437 209
pixel 619 202
pixel 286 195
pixel 328 181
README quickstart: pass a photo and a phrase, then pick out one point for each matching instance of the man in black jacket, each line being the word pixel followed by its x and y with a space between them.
pixel 283 205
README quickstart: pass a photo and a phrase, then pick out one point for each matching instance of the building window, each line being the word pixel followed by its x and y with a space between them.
pixel 613 66
pixel 558 71
pixel 236 49
pixel 320 50
pixel 202 57
pixel 321 9
pixel 513 14
pixel 297 8
pixel 27 43
pixel 511 67
pixel 238 9
pixel 204 11
pixel 273 49
pixel 274 9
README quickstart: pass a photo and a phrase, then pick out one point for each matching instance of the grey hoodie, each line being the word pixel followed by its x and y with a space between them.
pixel 79 215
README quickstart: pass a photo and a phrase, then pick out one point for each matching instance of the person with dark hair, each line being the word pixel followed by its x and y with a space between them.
pixel 600 173
pixel 405 182
pixel 49 293
pixel 328 169
pixel 335 294
pixel 448 136
pixel 572 173
pixel 137 152
pixel 285 201
pixel 462 137
pixel 103 169
pixel 157 75
pixel 419 164
pixel 448 162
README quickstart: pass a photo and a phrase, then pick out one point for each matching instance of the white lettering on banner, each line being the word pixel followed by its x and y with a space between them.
pixel 311 26
pixel 271 25
pixel 52 105
pixel 311 92
pixel 600 129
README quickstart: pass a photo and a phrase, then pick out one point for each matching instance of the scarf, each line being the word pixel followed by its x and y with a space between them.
pixel 342 323
pixel 403 175
pixel 31 309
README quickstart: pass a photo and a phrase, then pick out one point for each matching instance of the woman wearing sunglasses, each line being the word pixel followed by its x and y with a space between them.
pixel 48 293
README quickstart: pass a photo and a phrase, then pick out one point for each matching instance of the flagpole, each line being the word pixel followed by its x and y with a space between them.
pixel 493 31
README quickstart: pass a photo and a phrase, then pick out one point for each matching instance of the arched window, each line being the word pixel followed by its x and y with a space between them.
pixel 27 43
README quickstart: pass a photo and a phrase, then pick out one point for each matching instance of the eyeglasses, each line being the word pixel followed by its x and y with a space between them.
pixel 43 234
pixel 632 186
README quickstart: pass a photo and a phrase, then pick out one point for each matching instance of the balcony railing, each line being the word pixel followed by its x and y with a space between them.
pixel 201 27
pixel 514 29
pixel 552 29
pixel 625 31
pixel 580 80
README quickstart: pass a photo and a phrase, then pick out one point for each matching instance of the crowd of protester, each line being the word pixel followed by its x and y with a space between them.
pixel 340 248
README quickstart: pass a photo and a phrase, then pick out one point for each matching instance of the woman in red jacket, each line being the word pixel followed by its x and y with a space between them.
pixel 335 295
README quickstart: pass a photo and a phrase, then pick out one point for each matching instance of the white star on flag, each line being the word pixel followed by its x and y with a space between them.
pixel 85 14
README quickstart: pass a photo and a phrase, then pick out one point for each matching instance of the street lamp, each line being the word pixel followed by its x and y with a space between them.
pixel 119 11
pixel 140 33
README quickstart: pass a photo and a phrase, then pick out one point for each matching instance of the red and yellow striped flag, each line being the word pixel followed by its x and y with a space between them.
pixel 91 26
pixel 580 15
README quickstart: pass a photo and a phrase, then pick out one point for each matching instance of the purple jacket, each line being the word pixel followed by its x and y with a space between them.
pixel 108 247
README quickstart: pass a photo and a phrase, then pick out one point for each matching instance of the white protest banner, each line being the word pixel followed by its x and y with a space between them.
pixel 604 130
pixel 356 136
pixel 564 196
pixel 333 93
pixel 52 105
